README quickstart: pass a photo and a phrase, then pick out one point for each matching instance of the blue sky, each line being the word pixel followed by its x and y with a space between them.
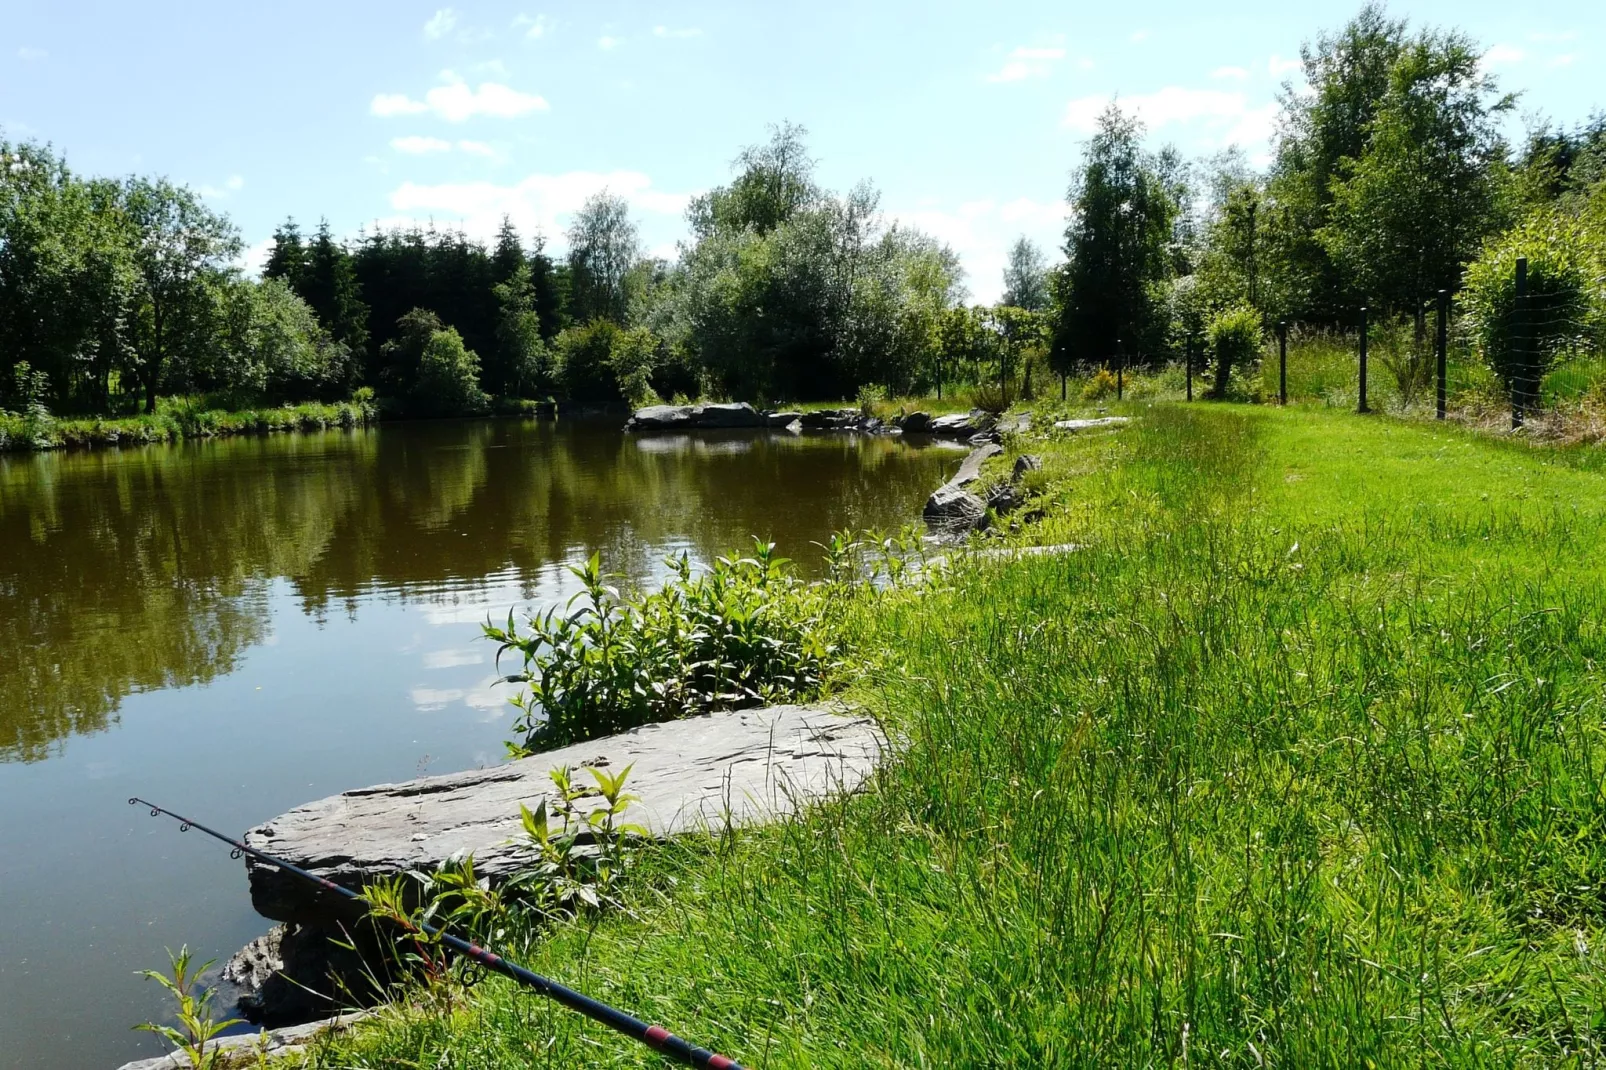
pixel 968 117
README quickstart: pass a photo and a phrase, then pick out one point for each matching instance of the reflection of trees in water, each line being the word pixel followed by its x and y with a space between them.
pixel 132 570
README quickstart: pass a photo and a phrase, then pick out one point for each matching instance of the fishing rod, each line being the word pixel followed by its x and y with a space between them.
pixel 656 1037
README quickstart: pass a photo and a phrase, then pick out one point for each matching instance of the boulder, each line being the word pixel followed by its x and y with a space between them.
pixel 954 510
pixel 739 767
pixel 829 419
pixel 280 1044
pixel 783 420
pixel 732 414
pixel 662 418
pixel 1018 423
pixel 963 424
pixel 915 423
pixel 1026 462
pixel 691 417
pixel 1074 426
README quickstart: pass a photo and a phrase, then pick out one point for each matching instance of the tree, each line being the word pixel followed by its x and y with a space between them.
pixel 181 250
pixel 603 246
pixel 1415 205
pixel 328 282
pixel 522 364
pixel 274 346
pixel 1026 277
pixel 448 377
pixel 1117 248
pixel 287 259
pixel 774 183
pixel 1324 123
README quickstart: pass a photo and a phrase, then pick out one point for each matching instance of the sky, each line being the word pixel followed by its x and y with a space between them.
pixel 967 117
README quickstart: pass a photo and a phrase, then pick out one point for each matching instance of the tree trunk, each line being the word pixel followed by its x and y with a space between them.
pixel 1223 376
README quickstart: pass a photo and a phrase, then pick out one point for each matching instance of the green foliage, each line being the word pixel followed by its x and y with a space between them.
pixel 604 246
pixel 601 363
pixel 448 377
pixel 743 632
pixel 196 1027
pixel 1566 257
pixel 1413 207
pixel 1234 338
pixel 1026 278
pixel 523 365
pixel 583 864
pixel 1116 250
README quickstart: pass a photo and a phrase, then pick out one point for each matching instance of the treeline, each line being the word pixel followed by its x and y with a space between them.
pixel 1390 181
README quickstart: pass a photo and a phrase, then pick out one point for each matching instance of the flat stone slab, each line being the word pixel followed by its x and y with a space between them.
pixel 744 766
pixel 970 467
pixel 1090 425
pixel 280 1043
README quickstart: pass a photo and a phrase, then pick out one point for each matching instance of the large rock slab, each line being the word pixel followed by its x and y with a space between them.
pixel 279 1044
pixel 970 467
pixel 962 424
pixel 693 417
pixel 744 766
pixel 1091 425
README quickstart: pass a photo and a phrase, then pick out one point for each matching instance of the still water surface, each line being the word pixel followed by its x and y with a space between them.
pixel 232 628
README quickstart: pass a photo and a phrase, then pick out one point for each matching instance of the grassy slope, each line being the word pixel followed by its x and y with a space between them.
pixel 1298 763
pixel 174 421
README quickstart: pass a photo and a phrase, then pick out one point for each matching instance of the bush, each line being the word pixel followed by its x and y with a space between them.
pixel 743 633
pixel 1234 339
pixel 601 363
pixel 1566 258
pixel 448 377
pixel 1100 385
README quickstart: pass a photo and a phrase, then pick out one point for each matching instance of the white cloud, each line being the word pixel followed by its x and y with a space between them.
pixel 981 232
pixel 456 101
pixel 1552 37
pixel 605 43
pixel 1225 117
pixel 418 146
pixel 477 148
pixel 440 24
pixel 1236 74
pixel 665 31
pixel 1085 63
pixel 1563 60
pixel 1139 36
pixel 539 201
pixel 538 25
pixel 451 658
pixel 31 55
pixel 232 184
pixel 1278 66
pixel 1503 56
pixel 254 256
pixel 1026 63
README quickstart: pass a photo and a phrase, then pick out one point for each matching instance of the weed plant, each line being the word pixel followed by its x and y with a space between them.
pixel 1296 762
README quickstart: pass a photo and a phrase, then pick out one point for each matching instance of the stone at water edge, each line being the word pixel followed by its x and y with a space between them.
pixel 962 424
pixel 749 765
pixel 729 414
pixel 660 418
pixel 970 467
pixel 915 423
pixel 954 509
pixel 783 420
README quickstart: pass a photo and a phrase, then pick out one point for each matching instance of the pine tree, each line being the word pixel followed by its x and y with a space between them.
pixel 329 284
pixel 287 259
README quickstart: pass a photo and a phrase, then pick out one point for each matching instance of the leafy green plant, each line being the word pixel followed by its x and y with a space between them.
pixel 583 863
pixel 196 1027
pixel 1234 338
pixel 743 632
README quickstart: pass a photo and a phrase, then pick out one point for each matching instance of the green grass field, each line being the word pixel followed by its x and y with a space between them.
pixel 1297 762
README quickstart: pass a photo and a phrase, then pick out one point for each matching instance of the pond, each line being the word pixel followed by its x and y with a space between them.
pixel 232 628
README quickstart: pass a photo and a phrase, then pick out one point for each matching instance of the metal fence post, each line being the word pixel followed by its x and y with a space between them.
pixel 1282 362
pixel 1120 368
pixel 1362 407
pixel 1520 370
pixel 1187 363
pixel 1441 348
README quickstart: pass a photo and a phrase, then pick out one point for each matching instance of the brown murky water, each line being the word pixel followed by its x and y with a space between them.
pixel 235 627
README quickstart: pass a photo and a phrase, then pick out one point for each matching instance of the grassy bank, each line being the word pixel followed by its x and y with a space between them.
pixel 174 420
pixel 1297 762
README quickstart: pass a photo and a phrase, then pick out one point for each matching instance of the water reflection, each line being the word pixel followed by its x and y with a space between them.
pixel 143 569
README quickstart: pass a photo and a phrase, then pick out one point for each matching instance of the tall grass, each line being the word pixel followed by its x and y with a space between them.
pixel 1297 762
pixel 176 419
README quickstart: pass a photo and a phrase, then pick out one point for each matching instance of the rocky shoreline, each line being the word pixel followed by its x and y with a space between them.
pixel 740 415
